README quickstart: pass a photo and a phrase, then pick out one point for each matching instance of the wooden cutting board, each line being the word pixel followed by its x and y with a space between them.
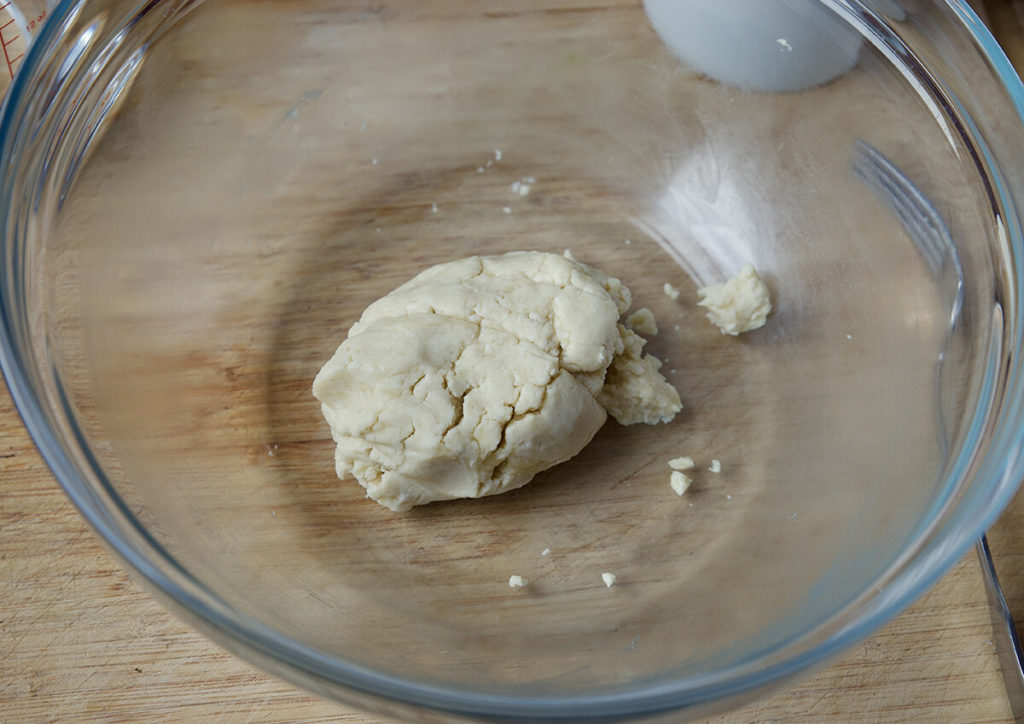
pixel 80 641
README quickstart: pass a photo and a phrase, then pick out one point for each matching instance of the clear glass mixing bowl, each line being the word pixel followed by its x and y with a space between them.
pixel 198 200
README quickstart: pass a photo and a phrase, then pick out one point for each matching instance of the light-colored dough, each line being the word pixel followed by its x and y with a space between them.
pixel 642 321
pixel 680 482
pixel 740 304
pixel 681 463
pixel 477 374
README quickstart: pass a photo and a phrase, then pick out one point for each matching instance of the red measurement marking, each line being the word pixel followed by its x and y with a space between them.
pixel 10 64
pixel 8 40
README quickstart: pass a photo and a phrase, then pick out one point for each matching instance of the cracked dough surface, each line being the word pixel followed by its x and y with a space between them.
pixel 476 375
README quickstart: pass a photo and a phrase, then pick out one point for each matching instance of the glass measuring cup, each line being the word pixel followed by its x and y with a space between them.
pixel 20 20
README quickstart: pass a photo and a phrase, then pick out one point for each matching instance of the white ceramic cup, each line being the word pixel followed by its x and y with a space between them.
pixel 764 45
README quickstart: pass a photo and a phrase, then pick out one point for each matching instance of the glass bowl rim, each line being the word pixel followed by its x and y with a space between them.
pixel 161 572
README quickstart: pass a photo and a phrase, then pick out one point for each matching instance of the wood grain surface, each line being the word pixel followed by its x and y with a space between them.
pixel 80 641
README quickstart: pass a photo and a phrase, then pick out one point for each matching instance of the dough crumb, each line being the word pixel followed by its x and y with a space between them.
pixel 634 390
pixel 433 208
pixel 716 466
pixel 670 291
pixel 546 552
pixel 477 374
pixel 497 154
pixel 506 209
pixel 642 321
pixel 681 463
pixel 516 581
pixel 738 305
pixel 522 187
pixel 680 482
pixel 608 578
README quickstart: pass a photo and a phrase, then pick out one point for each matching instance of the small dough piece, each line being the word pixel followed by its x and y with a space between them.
pixel 516 581
pixel 476 375
pixel 634 390
pixel 608 578
pixel 522 186
pixel 642 321
pixel 680 482
pixel 670 291
pixel 716 466
pixel 681 463
pixel 740 304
